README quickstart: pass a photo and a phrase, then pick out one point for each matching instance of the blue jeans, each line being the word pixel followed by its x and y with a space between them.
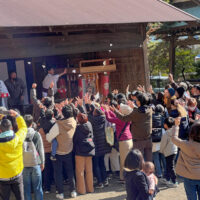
pixel 163 163
pixel 54 145
pixel 159 162
pixel 99 168
pixel 32 176
pixel 192 189
pixel 156 160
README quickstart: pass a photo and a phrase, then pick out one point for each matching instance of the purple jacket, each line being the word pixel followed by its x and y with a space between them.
pixel 111 117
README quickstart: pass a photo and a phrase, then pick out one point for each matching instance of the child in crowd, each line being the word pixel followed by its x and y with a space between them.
pixel 169 150
pixel 137 187
pixel 149 170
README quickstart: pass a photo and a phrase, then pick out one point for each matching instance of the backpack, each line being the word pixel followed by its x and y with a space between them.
pixel 30 154
pixel 157 128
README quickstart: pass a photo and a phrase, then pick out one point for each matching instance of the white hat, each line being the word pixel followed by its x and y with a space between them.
pixel 125 109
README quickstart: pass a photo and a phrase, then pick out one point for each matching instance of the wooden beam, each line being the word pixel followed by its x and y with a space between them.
pixel 111 27
pixel 93 69
pixel 59 40
pixel 36 47
pixel 187 42
pixel 172 59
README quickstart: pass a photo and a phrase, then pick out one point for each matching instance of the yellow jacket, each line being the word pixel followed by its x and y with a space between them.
pixel 11 152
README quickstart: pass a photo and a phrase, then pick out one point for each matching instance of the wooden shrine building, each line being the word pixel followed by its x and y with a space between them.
pixel 76 35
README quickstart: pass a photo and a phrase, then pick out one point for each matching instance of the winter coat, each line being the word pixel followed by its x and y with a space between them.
pixel 63 131
pixel 16 89
pixel 111 117
pixel 45 127
pixel 141 118
pixel 167 147
pixel 83 140
pixel 137 185
pixel 37 140
pixel 188 164
pixel 36 103
pixel 11 151
pixel 101 146
pixel 184 124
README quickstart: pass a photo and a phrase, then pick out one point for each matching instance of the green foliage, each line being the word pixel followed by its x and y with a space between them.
pixel 197 69
pixel 184 60
pixel 158 55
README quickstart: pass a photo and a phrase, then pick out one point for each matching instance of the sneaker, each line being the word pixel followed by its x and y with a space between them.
pixel 53 158
pixel 172 185
pixel 47 192
pixel 99 186
pixel 73 194
pixel 163 181
pixel 60 196
pixel 106 183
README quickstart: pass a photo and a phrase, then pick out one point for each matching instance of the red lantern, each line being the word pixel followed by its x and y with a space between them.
pixel 105 84
pixel 62 88
pixel 80 87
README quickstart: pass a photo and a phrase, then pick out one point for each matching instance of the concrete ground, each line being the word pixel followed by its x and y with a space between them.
pixel 116 191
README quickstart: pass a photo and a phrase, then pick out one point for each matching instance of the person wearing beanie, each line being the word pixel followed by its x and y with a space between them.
pixel 171 91
pixel 179 92
pixel 169 95
pixel 180 95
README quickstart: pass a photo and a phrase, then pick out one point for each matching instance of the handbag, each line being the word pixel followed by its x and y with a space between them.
pixel 109 135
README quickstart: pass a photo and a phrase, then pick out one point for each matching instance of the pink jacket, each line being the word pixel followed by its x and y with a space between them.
pixel 126 135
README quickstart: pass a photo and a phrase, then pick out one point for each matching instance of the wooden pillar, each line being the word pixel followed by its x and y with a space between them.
pixel 172 57
pixel 145 58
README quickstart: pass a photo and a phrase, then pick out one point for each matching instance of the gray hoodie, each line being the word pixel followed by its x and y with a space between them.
pixel 166 146
pixel 37 140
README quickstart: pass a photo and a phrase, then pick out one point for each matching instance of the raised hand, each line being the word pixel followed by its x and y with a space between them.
pixel 127 89
pixel 79 101
pixel 13 113
pixel 171 79
pixel 177 121
pixel 105 107
pixel 34 85
pixel 131 104
pixel 150 89
pixel 51 85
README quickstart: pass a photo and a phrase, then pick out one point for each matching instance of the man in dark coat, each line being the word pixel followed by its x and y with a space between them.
pixel 16 89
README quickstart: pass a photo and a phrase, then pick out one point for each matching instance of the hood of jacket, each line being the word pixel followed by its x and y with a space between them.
pixel 98 120
pixel 85 128
pixel 30 133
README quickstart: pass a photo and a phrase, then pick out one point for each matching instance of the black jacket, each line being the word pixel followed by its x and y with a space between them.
pixel 101 146
pixel 16 89
pixel 137 186
pixel 83 140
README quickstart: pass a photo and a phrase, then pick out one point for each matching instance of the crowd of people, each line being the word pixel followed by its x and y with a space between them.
pixel 141 137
